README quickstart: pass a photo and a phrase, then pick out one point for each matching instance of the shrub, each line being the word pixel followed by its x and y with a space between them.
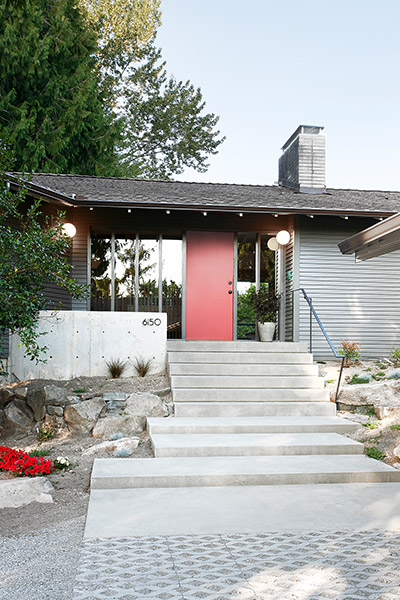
pixel 116 367
pixel 363 378
pixel 122 453
pixel 395 356
pixel 350 350
pixel 374 452
pixel 394 375
pixel 395 427
pixel 46 430
pixel 116 436
pixel 371 424
pixel 142 366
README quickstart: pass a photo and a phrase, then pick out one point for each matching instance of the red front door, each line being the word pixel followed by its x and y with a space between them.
pixel 209 285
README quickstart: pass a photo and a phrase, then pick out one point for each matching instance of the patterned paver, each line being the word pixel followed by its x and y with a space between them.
pixel 275 566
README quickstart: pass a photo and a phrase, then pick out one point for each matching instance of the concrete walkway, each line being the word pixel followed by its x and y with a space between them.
pixel 255 543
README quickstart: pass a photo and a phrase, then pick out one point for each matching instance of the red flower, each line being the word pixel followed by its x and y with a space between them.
pixel 20 463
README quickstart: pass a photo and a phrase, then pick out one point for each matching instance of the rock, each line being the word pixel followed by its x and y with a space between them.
pixel 73 400
pixel 36 399
pixel 396 451
pixel 17 417
pixel 384 411
pixel 55 395
pixel 356 417
pixel 146 404
pixel 383 395
pixel 55 410
pixel 161 393
pixel 6 395
pixel 21 392
pixel 82 417
pixel 21 491
pixel 117 396
pixel 126 443
pixel 125 424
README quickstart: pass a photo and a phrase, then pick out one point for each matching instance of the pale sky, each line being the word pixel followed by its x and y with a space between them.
pixel 266 67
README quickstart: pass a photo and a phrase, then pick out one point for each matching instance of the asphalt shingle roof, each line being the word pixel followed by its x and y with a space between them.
pixel 92 191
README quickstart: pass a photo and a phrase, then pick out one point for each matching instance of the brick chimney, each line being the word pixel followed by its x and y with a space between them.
pixel 302 164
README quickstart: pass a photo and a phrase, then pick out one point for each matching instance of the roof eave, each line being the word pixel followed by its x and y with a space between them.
pixel 374 233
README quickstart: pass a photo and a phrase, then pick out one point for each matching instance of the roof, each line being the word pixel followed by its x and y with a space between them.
pixel 85 190
pixel 379 239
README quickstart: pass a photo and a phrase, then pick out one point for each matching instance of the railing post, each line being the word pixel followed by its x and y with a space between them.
pixel 311 316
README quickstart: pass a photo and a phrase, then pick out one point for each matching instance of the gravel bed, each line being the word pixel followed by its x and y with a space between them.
pixel 41 565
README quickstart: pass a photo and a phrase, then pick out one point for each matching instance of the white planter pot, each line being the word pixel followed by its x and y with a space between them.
pixel 266 331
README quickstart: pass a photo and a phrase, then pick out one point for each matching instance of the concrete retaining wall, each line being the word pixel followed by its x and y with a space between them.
pixel 80 342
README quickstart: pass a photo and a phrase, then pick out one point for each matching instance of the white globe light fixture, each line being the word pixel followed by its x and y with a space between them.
pixel 69 229
pixel 273 244
pixel 283 237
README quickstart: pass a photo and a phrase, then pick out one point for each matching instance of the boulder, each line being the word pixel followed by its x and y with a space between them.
pixel 383 396
pixel 36 399
pixel 125 443
pixel 21 491
pixel 132 419
pixel 125 424
pixel 17 417
pixel 6 395
pixel 21 392
pixel 57 411
pixel 82 417
pixel 161 393
pixel 55 395
pixel 146 404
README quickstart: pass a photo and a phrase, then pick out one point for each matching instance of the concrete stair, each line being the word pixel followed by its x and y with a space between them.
pixel 246 413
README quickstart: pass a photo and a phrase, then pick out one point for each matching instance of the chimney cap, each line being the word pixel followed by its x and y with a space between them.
pixel 311 129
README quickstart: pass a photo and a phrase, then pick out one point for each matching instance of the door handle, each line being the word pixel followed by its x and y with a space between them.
pixel 230 292
pixel 229 282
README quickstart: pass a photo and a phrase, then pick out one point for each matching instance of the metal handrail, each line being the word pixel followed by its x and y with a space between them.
pixel 332 347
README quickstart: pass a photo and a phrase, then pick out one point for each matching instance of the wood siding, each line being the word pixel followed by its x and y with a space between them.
pixel 355 301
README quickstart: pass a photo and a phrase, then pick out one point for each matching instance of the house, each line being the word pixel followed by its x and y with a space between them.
pixel 190 250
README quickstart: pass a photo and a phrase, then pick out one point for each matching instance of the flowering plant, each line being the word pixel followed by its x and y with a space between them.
pixel 20 463
pixel 61 462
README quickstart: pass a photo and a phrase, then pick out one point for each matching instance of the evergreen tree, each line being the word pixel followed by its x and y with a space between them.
pixel 166 128
pixel 52 108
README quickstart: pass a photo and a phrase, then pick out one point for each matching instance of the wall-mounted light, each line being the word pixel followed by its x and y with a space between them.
pixel 204 214
pixel 310 216
pixel 129 210
pixel 91 208
pixel 168 212
pixel 69 229
pixel 273 244
pixel 345 217
pixel 276 216
pixel 283 237
pixel 240 214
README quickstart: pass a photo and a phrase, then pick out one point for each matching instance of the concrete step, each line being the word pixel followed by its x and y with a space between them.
pixel 241 346
pixel 118 473
pixel 277 424
pixel 239 382
pixel 275 370
pixel 255 409
pixel 249 395
pixel 239 357
pixel 252 444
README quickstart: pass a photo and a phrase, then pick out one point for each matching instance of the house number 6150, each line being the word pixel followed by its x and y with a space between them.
pixel 151 322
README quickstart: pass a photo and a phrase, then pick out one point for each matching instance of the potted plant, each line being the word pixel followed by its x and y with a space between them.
pixel 266 305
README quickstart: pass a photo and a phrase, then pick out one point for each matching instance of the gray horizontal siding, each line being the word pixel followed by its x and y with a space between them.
pixel 355 301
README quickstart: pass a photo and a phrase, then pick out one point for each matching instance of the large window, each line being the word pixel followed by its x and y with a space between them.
pixel 255 268
pixel 138 272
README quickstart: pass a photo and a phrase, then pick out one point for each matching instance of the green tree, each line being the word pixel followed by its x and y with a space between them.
pixel 53 109
pixel 166 128
pixel 33 253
